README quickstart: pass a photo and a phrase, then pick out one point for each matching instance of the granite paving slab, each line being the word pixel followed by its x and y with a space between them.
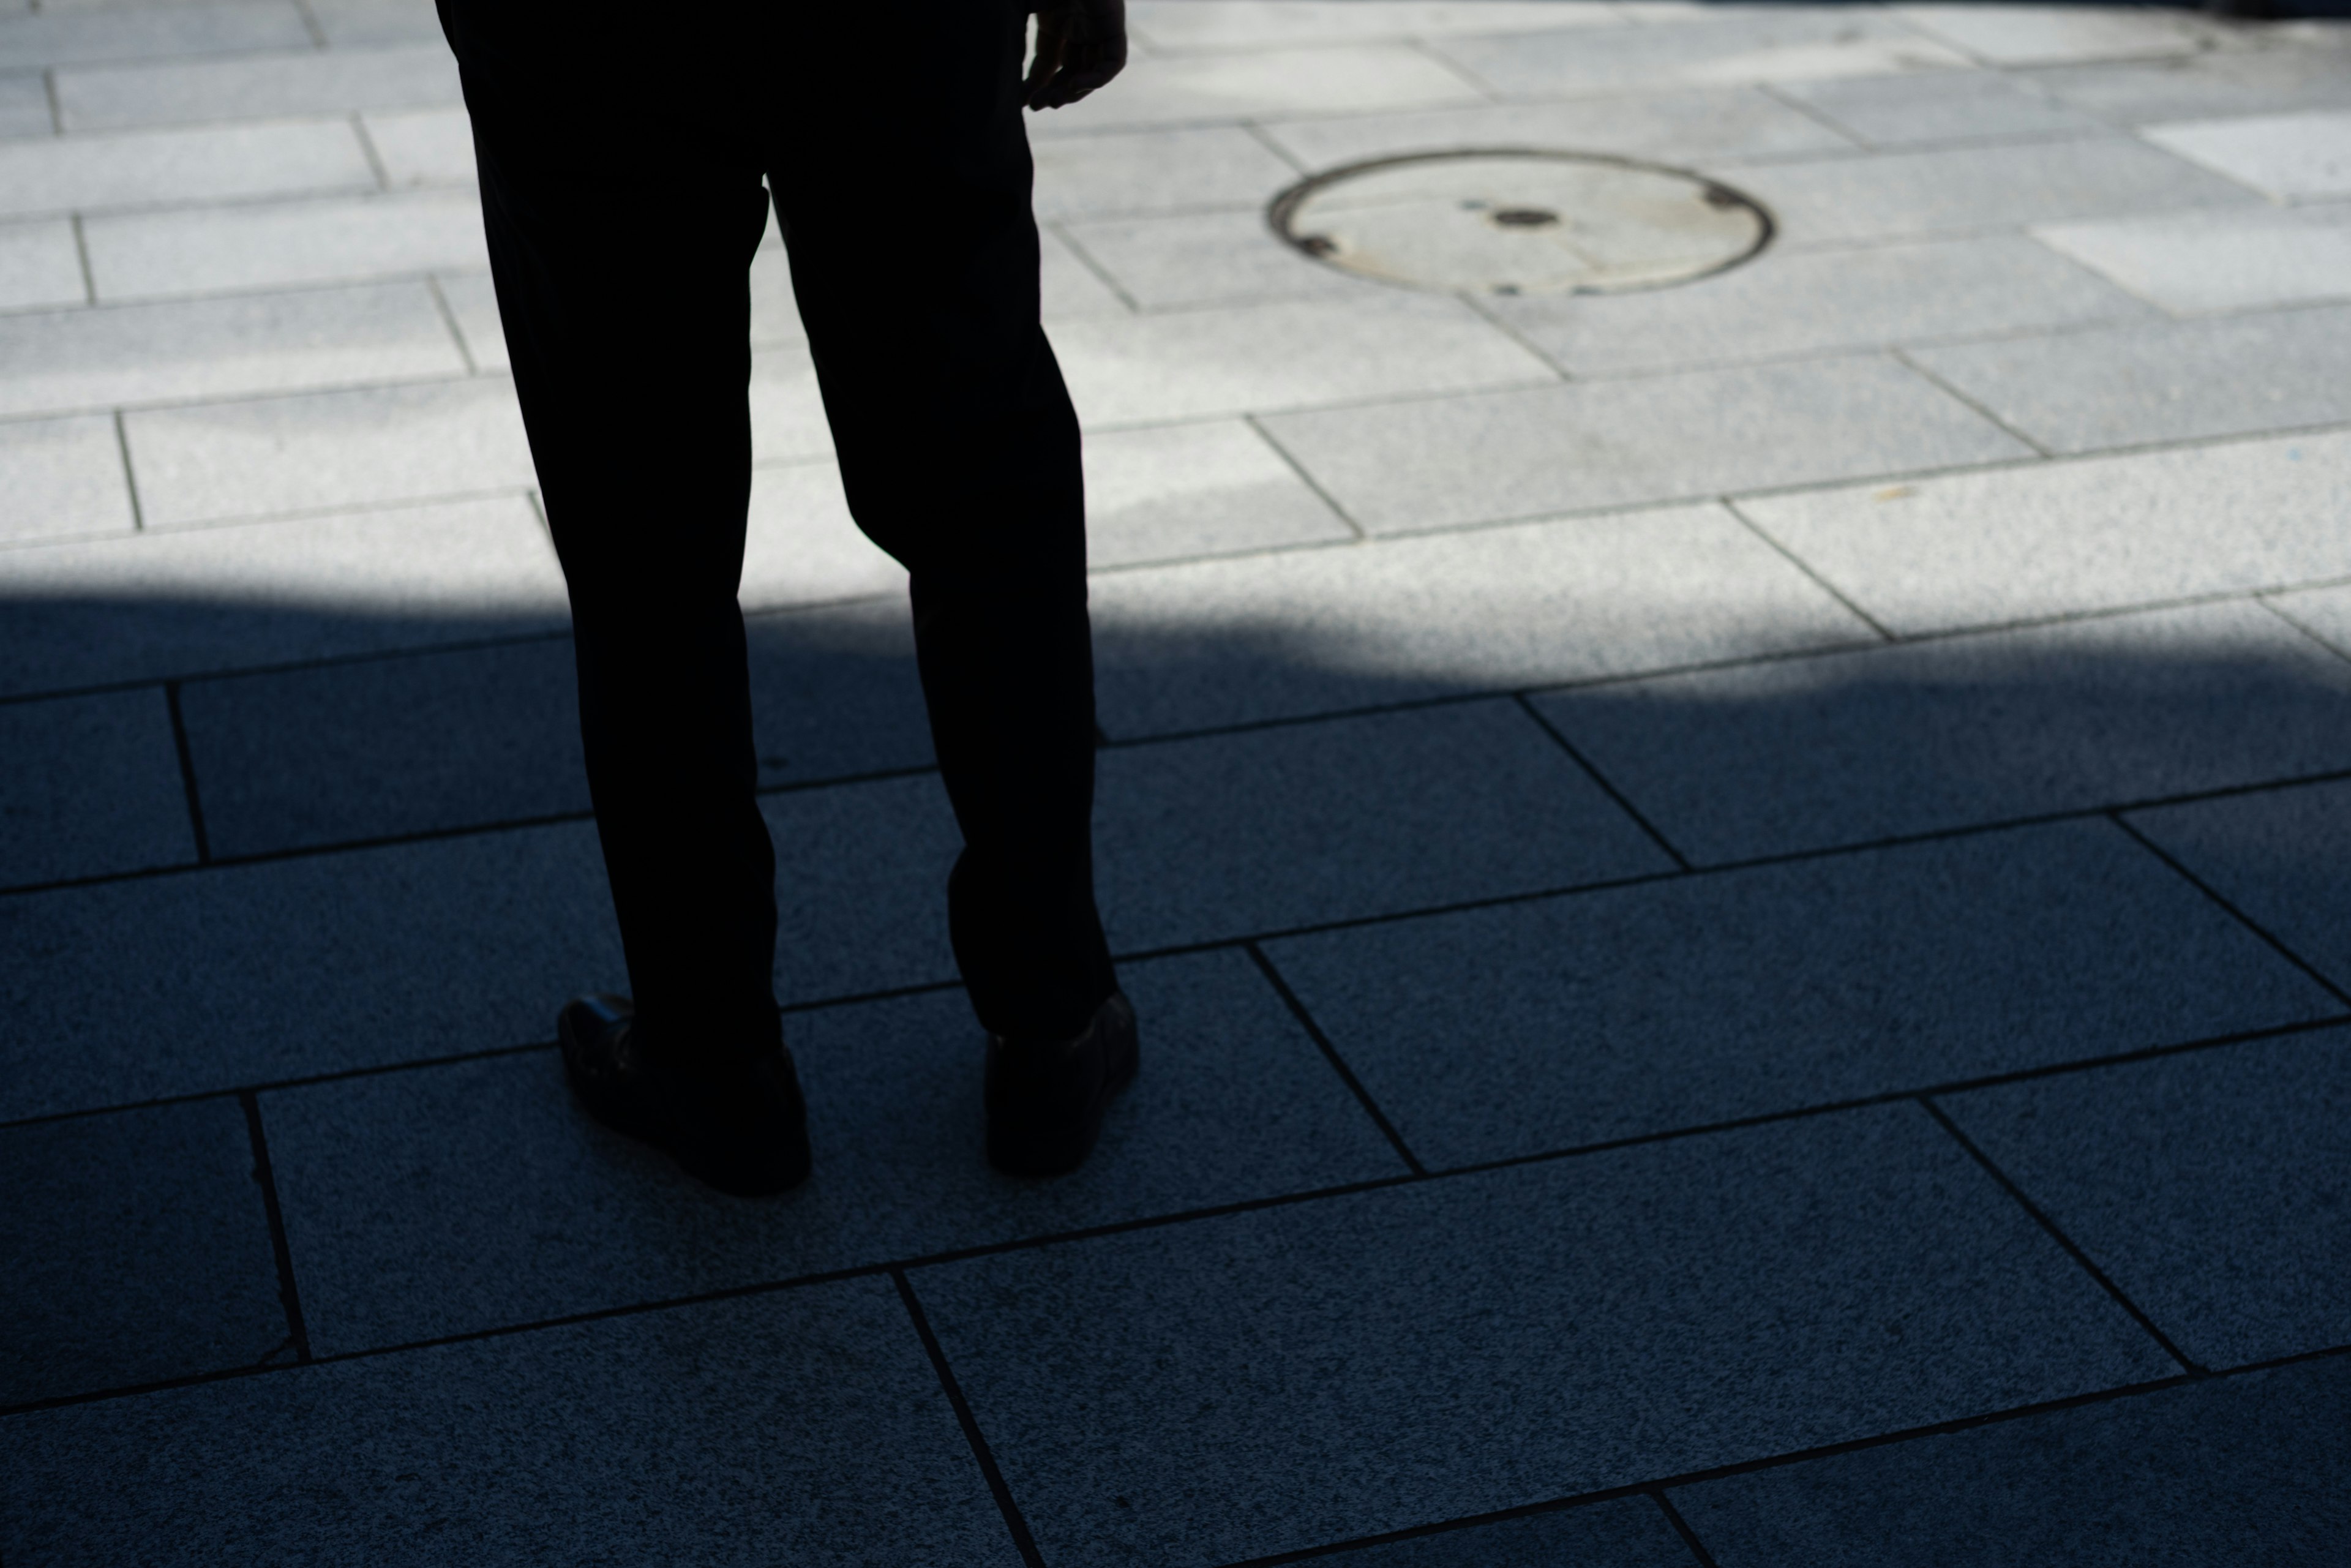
pixel 93 787
pixel 788 421
pixel 1168 262
pixel 1894 195
pixel 65 477
pixel 1844 748
pixel 2222 82
pixel 25 106
pixel 421 146
pixel 1335 79
pixel 1313 630
pixel 1166 491
pixel 834 692
pixel 1498 455
pixel 80 34
pixel 322 451
pixel 151 606
pixel 1223 835
pixel 1628 1011
pixel 137 1250
pixel 1068 286
pixel 1761 44
pixel 1921 108
pixel 2217 261
pixel 2048 35
pixel 862 887
pixel 39 265
pixel 803 548
pixel 319 964
pixel 2289 156
pixel 805 1426
pixel 2139 383
pixel 2281 856
pixel 1154 171
pixel 1272 1380
pixel 2209 1187
pixel 1629 1533
pixel 2324 612
pixel 2175 1479
pixel 1179 25
pixel 67 362
pixel 207 164
pixel 1246 359
pixel 1822 301
pixel 448 1200
pixel 332 81
pixel 2099 533
pixel 473 304
pixel 283 245
pixel 349 23
pixel 1710 122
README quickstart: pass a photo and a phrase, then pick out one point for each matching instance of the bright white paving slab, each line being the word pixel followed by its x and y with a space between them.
pixel 82 34
pixel 25 106
pixel 333 81
pixel 283 245
pixel 39 265
pixel 2057 539
pixel 1938 106
pixel 422 146
pixel 1345 78
pixel 211 163
pixel 1155 171
pixel 1672 123
pixel 2288 156
pixel 2007 35
pixel 1764 44
pixel 62 476
pixel 2218 260
pixel 802 545
pixel 1168 491
pixel 1173 25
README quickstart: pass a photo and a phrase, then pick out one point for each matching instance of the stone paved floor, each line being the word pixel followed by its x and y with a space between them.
pixel 1737 893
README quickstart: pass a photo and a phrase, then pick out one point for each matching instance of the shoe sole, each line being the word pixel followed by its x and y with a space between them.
pixel 1033 1151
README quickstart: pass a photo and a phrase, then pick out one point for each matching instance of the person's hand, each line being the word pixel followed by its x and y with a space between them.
pixel 1081 44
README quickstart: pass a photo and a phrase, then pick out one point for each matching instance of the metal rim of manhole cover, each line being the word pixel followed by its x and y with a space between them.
pixel 1520 220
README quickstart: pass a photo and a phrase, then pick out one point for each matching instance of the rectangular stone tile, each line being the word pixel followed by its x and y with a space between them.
pixel 806 1427
pixel 2230 260
pixel 803 545
pixel 1168 491
pixel 1764 44
pixel 1387 343
pixel 2222 82
pixel 1715 124
pixel 322 450
pixel 1803 302
pixel 788 420
pixel 137 1250
pixel 424 146
pixel 1696 1000
pixel 1218 643
pixel 2100 533
pixel 343 239
pixel 2209 1187
pixel 349 24
pixel 2159 381
pixel 1225 835
pixel 862 887
pixel 1175 25
pixel 2324 612
pixel 25 106
pixel 1626 1532
pixel 1339 78
pixel 2288 156
pixel 39 265
pixel 834 692
pixel 65 477
pixel 78 360
pixel 205 163
pixel 335 81
pixel 84 36
pixel 1271 1380
pixel 1888 195
pixel 1155 171
pixel 2048 35
pixel 508 1205
pixel 1067 285
pixel 2279 855
pixel 151 606
pixel 1939 106
pixel 1210 258
pixel 472 301
pixel 2212 1472
pixel 1842 748
pixel 382 747
pixel 775 309
pixel 94 788
pixel 1503 454
pixel 325 963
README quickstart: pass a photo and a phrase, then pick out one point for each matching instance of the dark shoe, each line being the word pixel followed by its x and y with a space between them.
pixel 744 1132
pixel 1046 1099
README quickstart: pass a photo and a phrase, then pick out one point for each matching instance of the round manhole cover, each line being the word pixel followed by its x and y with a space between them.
pixel 1521 221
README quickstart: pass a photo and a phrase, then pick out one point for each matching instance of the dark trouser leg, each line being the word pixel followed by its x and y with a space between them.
pixel 905 204
pixel 621 280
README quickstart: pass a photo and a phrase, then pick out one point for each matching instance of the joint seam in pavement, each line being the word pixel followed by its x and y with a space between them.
pixel 130 474
pixel 1331 1055
pixel 187 773
pixel 1699 1554
pixel 2057 1234
pixel 1624 803
pixel 264 1175
pixel 1885 633
pixel 1363 535
pixel 1901 356
pixel 2231 907
pixel 1023 1540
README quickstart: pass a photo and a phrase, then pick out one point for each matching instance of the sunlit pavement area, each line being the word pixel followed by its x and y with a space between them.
pixel 1737 892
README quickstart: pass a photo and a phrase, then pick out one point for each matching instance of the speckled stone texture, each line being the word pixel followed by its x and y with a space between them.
pixel 1549 1024
pixel 2241 1470
pixel 137 1250
pixel 2283 856
pixel 2211 1188
pixel 802 1426
pixel 1629 1532
pixel 1257 1383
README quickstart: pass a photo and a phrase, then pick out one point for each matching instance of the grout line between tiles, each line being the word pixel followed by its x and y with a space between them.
pixel 449 320
pixel 1700 1555
pixel 2056 1233
pixel 81 259
pixel 2228 906
pixel 264 1175
pixel 129 477
pixel 1730 505
pixel 1624 802
pixel 1023 1541
pixel 1304 477
pixel 369 150
pixel 1901 356
pixel 187 774
pixel 1331 1054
